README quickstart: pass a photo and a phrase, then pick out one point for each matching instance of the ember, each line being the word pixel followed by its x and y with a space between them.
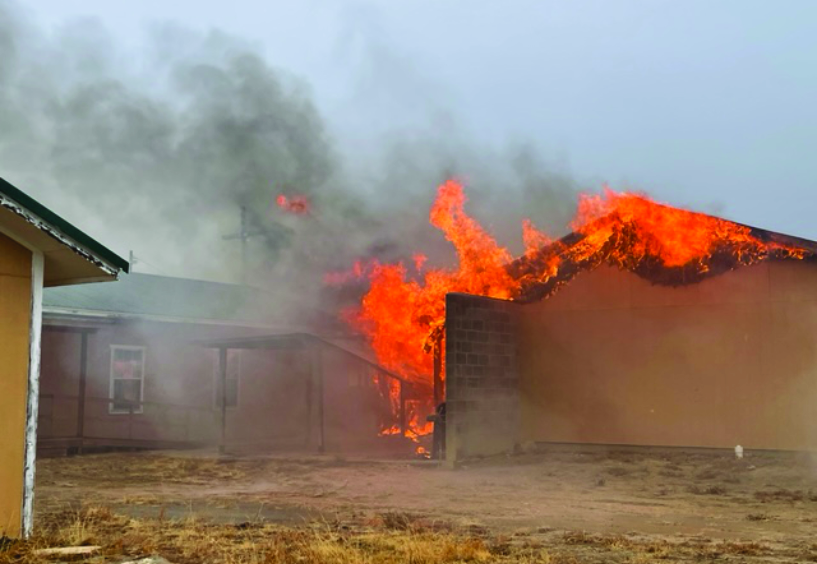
pixel 297 205
pixel 402 315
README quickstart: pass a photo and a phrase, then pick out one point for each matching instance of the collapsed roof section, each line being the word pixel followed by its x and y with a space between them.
pixel 665 245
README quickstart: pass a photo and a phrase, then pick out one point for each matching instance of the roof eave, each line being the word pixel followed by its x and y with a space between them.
pixel 73 313
pixel 45 220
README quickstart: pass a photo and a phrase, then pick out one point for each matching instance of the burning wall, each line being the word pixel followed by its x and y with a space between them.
pixel 665 245
pixel 615 359
pixel 403 311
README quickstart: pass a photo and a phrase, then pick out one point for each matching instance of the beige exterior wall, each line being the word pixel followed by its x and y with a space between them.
pixel 732 360
pixel 15 314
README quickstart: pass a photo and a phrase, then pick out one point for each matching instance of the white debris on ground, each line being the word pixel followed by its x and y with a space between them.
pixel 67 551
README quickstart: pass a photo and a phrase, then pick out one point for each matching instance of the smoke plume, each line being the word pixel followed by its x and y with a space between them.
pixel 156 152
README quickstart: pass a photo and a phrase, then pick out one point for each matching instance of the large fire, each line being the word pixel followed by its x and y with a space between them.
pixel 403 311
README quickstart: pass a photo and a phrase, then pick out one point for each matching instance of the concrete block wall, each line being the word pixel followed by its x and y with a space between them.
pixel 482 376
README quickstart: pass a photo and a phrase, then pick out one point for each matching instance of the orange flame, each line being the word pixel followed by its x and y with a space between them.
pixel 400 315
pixel 667 245
pixel 419 260
pixel 297 205
pixel 676 236
pixel 341 277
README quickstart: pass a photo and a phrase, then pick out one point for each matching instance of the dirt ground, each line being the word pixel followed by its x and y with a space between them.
pixel 589 501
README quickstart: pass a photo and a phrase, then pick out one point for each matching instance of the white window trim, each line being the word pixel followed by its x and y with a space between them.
pixel 111 410
pixel 217 377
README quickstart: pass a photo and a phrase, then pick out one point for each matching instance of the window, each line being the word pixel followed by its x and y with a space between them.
pixel 233 371
pixel 127 379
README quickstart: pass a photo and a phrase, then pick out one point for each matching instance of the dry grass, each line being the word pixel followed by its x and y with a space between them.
pixel 782 494
pixel 396 525
pixel 145 468
pixel 709 490
pixel 645 549
pixel 192 541
pixel 619 471
pixel 389 538
pixel 758 517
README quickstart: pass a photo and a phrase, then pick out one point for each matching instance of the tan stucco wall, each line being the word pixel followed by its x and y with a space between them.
pixel 15 312
pixel 733 360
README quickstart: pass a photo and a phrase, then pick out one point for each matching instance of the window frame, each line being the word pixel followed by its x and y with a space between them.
pixel 217 377
pixel 111 399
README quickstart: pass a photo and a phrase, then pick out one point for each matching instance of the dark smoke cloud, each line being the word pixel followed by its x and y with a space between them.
pixel 164 157
pixel 155 152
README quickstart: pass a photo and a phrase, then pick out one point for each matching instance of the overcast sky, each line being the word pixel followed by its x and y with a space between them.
pixel 708 104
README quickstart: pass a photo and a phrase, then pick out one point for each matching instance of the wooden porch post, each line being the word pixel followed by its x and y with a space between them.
pixel 317 373
pixel 402 408
pixel 309 392
pixel 222 369
pixel 438 368
pixel 83 376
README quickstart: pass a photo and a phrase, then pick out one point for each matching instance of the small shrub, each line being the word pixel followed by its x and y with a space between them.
pixel 757 517
pixel 397 521
pixel 707 474
pixel 743 548
pixel 578 537
pixel 715 490
pixel 780 494
pixel 709 490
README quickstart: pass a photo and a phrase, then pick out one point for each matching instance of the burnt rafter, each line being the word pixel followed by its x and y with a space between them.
pixel 624 248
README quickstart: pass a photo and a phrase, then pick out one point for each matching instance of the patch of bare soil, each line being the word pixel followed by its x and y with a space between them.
pixel 588 505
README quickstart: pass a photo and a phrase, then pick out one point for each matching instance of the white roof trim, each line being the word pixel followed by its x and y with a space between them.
pixel 49 229
pixel 53 311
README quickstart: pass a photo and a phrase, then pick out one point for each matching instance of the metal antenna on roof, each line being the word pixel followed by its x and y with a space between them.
pixel 244 234
pixel 133 259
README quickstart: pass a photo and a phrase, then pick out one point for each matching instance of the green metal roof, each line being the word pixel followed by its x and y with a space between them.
pixel 147 295
pixel 56 222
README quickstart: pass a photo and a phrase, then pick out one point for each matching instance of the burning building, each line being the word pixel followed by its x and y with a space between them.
pixel 646 325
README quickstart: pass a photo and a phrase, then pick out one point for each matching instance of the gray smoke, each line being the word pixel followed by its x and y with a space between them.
pixel 156 152
pixel 165 156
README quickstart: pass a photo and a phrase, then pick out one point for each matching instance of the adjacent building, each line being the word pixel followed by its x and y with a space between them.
pixel 38 249
pixel 139 364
